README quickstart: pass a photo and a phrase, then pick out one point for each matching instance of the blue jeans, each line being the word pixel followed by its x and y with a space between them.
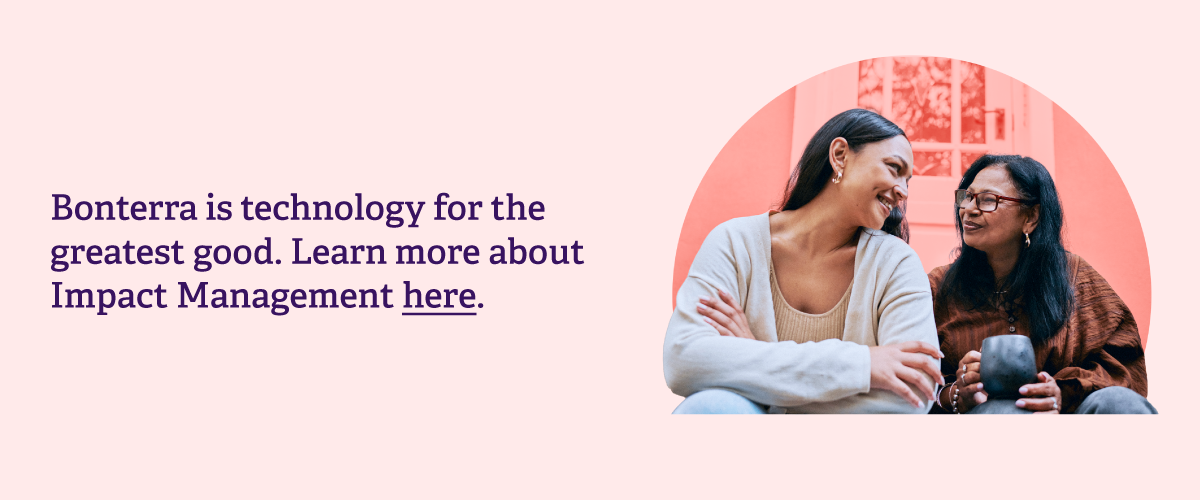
pixel 1115 400
pixel 711 401
pixel 1110 400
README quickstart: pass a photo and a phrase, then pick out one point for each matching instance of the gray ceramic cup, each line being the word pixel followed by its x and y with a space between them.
pixel 1006 364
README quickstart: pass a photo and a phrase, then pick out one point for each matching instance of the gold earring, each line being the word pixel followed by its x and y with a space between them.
pixel 1026 240
pixel 838 178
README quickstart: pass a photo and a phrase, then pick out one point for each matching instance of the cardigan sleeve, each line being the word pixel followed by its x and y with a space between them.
pixel 696 357
pixel 906 314
pixel 1102 347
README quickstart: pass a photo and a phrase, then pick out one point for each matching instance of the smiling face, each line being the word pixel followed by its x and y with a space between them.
pixel 874 178
pixel 1004 229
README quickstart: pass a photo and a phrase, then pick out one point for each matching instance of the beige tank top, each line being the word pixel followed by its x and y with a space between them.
pixel 792 324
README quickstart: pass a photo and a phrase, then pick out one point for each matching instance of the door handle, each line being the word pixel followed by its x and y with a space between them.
pixel 1000 123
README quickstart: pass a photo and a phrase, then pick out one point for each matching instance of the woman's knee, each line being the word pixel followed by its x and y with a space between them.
pixel 711 401
pixel 1116 400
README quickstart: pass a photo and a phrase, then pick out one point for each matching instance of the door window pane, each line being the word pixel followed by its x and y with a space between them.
pixel 968 158
pixel 973 83
pixel 931 163
pixel 921 97
pixel 870 85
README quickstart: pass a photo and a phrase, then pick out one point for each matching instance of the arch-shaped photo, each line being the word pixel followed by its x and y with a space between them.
pixel 910 235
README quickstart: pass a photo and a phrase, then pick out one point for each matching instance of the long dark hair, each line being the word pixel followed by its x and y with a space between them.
pixel 812 173
pixel 1040 279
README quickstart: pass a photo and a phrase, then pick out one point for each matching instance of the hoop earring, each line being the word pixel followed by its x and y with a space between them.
pixel 1026 240
pixel 838 178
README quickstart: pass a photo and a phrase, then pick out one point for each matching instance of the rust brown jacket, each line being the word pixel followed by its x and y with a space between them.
pixel 1098 346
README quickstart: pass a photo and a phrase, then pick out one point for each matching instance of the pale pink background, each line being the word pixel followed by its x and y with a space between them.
pixel 610 116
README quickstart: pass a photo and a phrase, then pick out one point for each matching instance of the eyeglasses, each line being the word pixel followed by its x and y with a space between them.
pixel 985 202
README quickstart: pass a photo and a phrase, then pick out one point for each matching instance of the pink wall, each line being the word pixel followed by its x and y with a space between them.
pixel 1102 224
pixel 746 178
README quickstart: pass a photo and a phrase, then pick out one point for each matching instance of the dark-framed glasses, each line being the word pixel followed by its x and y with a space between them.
pixel 985 202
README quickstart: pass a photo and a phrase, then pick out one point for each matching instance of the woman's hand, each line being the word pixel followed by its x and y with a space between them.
pixel 894 365
pixel 970 388
pixel 1042 397
pixel 725 315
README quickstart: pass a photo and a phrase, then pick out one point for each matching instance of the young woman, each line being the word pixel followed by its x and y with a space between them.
pixel 1013 276
pixel 820 307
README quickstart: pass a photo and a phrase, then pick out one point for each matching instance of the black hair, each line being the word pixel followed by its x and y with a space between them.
pixel 812 173
pixel 1040 280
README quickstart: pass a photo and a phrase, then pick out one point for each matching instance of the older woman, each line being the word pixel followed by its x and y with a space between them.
pixel 1013 276
pixel 818 307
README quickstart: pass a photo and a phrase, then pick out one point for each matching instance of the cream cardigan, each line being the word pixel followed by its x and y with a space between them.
pixel 890 302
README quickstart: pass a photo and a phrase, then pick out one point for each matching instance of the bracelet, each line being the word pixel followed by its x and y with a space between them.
pixel 939 396
pixel 954 399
